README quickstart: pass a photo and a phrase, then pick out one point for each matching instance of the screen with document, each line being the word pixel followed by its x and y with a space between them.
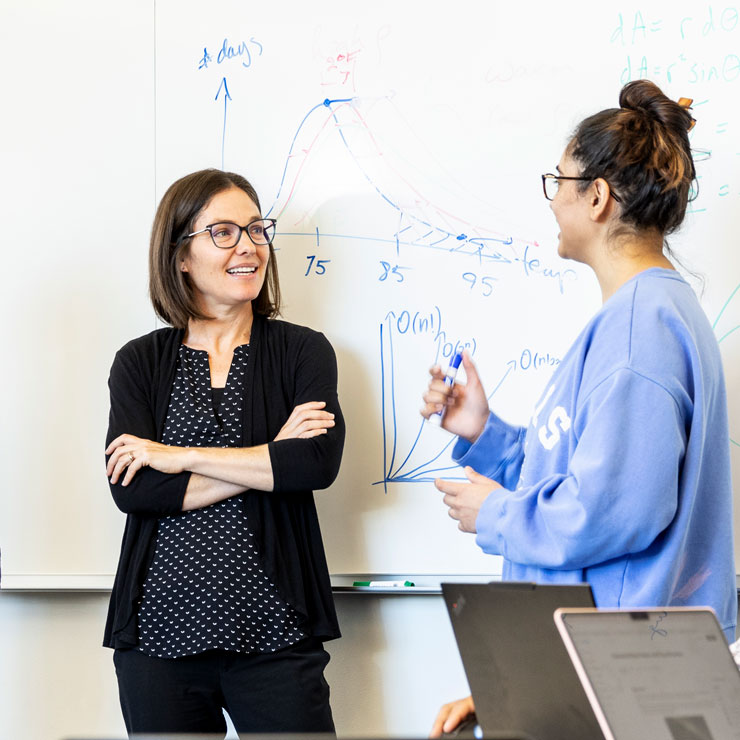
pixel 664 674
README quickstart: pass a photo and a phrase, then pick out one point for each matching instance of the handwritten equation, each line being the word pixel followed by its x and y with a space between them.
pixel 698 52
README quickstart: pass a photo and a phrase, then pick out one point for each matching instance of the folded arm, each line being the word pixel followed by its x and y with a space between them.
pixel 151 478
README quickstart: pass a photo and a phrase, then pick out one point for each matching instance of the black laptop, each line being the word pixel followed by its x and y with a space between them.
pixel 522 680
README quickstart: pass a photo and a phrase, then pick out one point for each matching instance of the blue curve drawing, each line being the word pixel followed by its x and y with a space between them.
pixel 422 472
pixel 482 247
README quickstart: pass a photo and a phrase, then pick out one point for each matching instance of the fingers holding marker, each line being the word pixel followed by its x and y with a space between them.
pixel 436 372
pixel 436 400
pixel 440 392
pixel 471 371
pixel 432 397
pixel 465 411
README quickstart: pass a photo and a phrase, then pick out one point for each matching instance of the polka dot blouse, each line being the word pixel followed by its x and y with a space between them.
pixel 206 588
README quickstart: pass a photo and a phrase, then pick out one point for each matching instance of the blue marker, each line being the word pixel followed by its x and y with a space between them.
pixel 436 417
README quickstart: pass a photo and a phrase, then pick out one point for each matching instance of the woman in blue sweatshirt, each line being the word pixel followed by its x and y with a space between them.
pixel 622 477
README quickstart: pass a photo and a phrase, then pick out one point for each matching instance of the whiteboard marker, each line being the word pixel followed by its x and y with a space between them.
pixel 436 417
pixel 383 584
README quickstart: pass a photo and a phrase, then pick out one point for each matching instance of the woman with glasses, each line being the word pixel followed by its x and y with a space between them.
pixel 220 428
pixel 622 477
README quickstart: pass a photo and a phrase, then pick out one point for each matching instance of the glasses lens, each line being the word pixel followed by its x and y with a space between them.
pixel 551 187
pixel 225 235
pixel 261 232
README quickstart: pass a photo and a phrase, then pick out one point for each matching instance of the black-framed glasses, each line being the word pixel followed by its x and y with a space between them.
pixel 551 183
pixel 226 234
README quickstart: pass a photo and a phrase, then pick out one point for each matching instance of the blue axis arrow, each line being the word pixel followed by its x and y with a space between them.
pixel 223 86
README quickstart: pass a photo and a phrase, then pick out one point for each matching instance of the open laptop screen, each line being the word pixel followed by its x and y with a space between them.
pixel 520 676
pixel 660 674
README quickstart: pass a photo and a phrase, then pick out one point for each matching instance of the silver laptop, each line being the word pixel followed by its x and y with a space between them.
pixel 662 674
pixel 522 681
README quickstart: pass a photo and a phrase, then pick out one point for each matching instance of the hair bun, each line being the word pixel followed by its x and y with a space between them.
pixel 646 97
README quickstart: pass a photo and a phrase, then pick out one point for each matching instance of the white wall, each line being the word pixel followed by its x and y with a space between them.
pixel 396 663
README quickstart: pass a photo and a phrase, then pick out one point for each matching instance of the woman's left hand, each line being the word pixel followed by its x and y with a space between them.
pixel 130 454
pixel 465 499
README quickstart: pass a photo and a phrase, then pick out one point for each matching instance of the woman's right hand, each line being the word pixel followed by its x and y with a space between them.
pixel 306 420
pixel 451 715
pixel 467 405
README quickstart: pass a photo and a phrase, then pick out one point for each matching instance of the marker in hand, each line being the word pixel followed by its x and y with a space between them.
pixel 436 417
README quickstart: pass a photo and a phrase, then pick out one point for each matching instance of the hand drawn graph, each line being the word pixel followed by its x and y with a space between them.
pixel 423 227
pixel 411 223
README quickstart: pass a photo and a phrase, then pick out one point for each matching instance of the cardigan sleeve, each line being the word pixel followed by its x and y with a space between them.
pixel 311 464
pixel 150 492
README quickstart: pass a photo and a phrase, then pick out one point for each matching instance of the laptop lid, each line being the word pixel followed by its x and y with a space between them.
pixel 663 674
pixel 522 681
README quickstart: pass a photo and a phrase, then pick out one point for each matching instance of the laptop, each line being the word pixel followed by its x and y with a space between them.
pixel 523 683
pixel 663 674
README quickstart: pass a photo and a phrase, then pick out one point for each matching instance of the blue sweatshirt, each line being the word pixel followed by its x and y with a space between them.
pixel 622 478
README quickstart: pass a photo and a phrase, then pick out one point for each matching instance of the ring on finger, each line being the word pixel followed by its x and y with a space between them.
pixel 130 457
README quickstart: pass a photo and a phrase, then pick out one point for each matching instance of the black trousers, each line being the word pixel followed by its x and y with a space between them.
pixel 283 691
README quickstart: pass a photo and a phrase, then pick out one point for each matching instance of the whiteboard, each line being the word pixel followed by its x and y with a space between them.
pixel 400 147
pixel 76 202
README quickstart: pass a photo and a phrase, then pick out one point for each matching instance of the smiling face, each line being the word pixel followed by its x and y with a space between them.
pixel 570 207
pixel 224 279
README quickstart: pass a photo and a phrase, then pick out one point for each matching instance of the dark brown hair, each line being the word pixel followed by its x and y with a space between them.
pixel 642 150
pixel 169 288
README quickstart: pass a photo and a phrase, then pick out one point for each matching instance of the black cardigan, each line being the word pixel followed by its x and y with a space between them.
pixel 288 365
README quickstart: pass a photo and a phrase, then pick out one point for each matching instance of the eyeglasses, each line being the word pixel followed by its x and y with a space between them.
pixel 226 234
pixel 551 183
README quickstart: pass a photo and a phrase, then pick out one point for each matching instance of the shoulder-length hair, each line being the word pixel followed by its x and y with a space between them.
pixel 170 289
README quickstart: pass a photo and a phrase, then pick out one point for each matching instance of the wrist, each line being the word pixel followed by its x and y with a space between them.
pixel 190 456
pixel 479 428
